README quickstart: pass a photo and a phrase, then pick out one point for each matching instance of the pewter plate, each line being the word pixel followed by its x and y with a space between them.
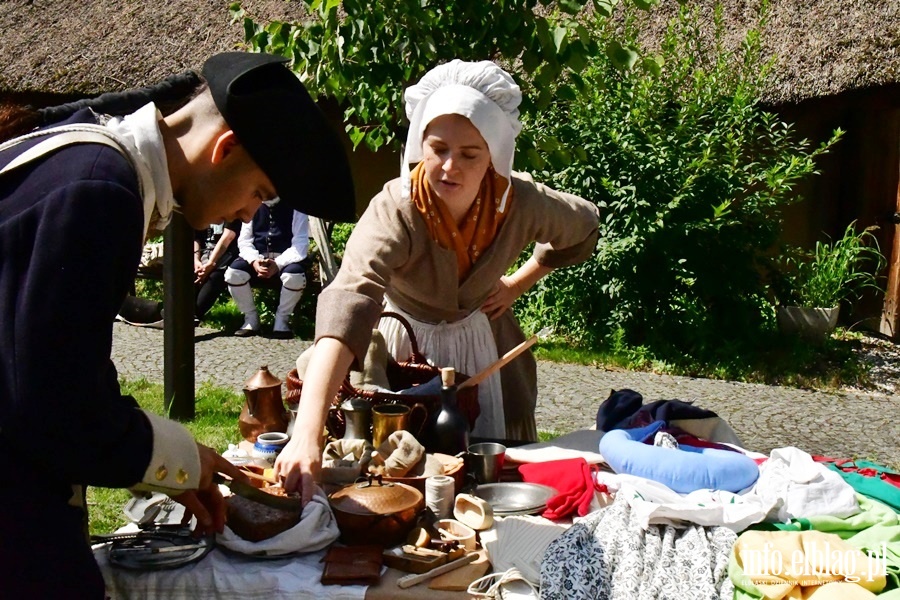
pixel 515 498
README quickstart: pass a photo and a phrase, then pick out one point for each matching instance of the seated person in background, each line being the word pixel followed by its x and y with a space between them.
pixel 214 249
pixel 274 244
pixel 435 246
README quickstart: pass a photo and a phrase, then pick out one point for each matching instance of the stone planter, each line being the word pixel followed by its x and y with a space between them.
pixel 814 324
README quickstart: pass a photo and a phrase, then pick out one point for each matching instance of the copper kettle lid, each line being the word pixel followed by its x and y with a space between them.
pixel 374 497
pixel 262 379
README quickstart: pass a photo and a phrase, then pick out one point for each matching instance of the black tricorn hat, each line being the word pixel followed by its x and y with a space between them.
pixel 276 120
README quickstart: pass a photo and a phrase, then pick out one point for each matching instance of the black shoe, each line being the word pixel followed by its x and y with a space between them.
pixel 282 335
pixel 246 332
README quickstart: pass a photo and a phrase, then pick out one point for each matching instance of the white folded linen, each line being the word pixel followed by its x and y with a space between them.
pixel 316 530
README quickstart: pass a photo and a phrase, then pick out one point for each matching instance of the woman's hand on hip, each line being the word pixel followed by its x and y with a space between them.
pixel 505 293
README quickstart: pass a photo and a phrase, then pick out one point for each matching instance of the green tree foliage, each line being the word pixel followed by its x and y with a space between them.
pixel 690 174
pixel 364 54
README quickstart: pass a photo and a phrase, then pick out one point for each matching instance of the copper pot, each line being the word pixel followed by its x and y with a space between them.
pixel 264 409
pixel 376 512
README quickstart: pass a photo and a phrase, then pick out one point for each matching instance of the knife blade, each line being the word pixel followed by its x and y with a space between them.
pixel 245 490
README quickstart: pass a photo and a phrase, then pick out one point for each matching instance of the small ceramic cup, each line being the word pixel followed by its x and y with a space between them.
pixel 273 438
pixel 268 445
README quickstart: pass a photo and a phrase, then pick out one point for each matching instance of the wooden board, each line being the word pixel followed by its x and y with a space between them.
pixel 459 580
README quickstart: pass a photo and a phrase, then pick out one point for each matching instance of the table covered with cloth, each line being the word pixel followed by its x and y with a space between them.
pixel 224 575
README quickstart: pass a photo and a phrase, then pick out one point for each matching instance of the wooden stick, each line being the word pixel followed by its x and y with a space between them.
pixel 484 374
pixel 411 580
pixel 253 475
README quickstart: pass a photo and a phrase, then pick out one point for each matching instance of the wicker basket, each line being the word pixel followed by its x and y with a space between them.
pixel 401 375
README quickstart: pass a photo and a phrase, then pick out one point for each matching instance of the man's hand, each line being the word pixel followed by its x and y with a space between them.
pixel 202 272
pixel 265 267
pixel 206 502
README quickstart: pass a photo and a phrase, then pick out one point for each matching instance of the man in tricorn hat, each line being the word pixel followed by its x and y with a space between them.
pixel 77 199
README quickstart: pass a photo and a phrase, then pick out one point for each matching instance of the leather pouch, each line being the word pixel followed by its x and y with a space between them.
pixel 352 565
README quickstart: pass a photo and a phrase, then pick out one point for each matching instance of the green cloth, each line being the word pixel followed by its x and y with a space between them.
pixel 873 487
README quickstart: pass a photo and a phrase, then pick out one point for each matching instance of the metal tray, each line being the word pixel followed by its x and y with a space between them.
pixel 515 498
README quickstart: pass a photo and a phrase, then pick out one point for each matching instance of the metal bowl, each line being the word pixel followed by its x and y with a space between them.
pixel 515 498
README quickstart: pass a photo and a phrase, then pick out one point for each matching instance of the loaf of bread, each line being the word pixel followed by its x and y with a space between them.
pixel 256 522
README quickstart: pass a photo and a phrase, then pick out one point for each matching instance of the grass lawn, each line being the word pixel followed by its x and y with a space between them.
pixel 216 425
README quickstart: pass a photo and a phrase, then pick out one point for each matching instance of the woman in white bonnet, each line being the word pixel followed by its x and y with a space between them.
pixel 435 245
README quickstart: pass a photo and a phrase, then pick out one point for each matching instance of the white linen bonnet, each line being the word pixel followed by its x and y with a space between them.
pixel 480 91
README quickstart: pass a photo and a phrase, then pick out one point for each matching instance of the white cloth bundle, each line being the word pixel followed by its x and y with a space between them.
pixel 316 530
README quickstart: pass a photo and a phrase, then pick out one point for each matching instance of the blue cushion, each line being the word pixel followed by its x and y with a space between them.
pixel 685 469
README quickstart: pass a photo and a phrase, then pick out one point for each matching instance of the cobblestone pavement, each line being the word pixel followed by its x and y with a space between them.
pixel 841 423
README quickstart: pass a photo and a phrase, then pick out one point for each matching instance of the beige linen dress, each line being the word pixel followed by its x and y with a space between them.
pixel 391 252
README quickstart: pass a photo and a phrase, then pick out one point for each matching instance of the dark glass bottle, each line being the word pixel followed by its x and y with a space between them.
pixel 450 428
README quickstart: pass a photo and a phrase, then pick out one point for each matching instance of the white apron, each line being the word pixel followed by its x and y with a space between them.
pixel 467 345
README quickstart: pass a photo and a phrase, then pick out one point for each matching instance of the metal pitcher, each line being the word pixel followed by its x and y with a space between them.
pixel 264 408
pixel 353 417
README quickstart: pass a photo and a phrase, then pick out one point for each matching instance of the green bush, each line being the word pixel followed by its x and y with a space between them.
pixel 691 175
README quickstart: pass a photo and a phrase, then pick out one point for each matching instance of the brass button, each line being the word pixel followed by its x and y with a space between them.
pixel 181 477
pixel 161 473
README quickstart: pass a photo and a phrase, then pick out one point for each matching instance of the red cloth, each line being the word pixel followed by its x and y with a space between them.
pixel 572 478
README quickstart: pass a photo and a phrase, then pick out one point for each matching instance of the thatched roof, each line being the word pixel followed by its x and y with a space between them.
pixel 84 48
pixel 93 46
pixel 821 47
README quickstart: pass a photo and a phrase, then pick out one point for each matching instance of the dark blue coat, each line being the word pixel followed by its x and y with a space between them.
pixel 71 228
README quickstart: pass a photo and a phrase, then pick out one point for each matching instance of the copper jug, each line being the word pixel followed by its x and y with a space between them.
pixel 264 409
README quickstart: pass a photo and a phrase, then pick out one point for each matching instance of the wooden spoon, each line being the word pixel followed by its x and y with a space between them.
pixel 494 367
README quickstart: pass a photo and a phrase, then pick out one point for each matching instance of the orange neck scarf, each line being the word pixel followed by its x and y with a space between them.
pixel 480 225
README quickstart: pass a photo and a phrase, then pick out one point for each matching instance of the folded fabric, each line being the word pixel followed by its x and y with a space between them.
pixel 685 469
pixel 345 460
pixel 401 452
pixel 347 453
pixel 432 387
pixel 574 481
pixel 373 373
pixel 608 555
pixel 653 503
pixel 870 479
pixel 802 487
pixel 875 530
pixel 222 575
pixel 788 564
pixel 316 530
pixel 520 542
pixel 623 409
pixel 582 442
